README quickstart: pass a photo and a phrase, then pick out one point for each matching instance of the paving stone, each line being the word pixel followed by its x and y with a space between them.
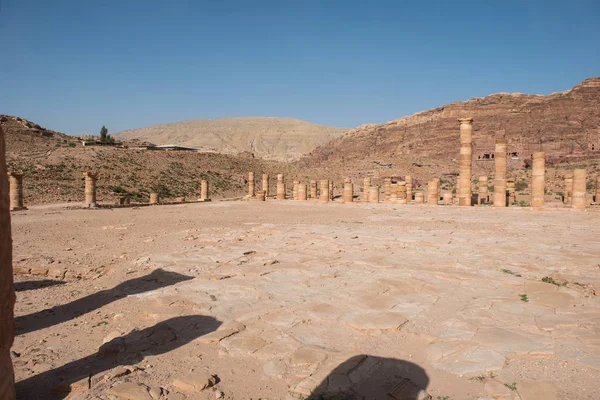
pixel 499 391
pixel 377 320
pixel 130 391
pixel 195 381
pixel 553 321
pixel 462 358
pixel 243 343
pixel 308 355
pixel 364 370
pixel 283 318
pixel 510 342
pixel 537 390
pixel 457 329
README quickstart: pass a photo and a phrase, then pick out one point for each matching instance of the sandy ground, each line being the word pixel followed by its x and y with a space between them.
pixel 281 300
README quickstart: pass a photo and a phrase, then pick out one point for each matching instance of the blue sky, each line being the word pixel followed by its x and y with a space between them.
pixel 74 65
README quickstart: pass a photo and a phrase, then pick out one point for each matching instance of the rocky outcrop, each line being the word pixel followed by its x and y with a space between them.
pixel 565 125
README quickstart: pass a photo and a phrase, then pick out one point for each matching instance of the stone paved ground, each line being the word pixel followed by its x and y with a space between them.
pixel 307 298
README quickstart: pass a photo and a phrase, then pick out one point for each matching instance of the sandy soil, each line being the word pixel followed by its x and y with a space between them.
pixel 282 300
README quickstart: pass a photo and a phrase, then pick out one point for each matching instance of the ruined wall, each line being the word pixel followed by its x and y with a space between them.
pixel 7 294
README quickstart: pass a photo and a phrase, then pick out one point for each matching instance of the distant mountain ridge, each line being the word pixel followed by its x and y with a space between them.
pixel 271 138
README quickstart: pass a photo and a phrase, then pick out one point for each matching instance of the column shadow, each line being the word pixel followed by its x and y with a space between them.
pixel 129 349
pixel 373 378
pixel 34 285
pixel 159 278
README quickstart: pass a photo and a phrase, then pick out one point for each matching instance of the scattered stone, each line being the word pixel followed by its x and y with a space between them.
pixel 130 391
pixel 195 381
pixel 155 392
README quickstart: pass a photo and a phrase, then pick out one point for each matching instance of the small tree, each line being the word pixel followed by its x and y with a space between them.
pixel 104 134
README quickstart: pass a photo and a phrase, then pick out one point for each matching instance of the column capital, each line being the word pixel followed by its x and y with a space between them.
pixel 90 174
pixel 17 175
pixel 468 120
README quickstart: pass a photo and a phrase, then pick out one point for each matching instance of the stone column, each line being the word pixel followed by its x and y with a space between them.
pixel 500 175
pixel 251 184
pixel 374 194
pixel 260 195
pixel 409 192
pixel 302 191
pixel 419 198
pixel 510 187
pixel 387 189
pixel 432 193
pixel 90 189
pixel 402 192
pixel 295 190
pixel 579 189
pixel 439 187
pixel 465 161
pixel 597 191
pixel 366 190
pixel 348 191
pixel 7 294
pixel 154 198
pixel 568 195
pixel 331 194
pixel 483 190
pixel 16 191
pixel 313 189
pixel 394 193
pixel 456 195
pixel 280 187
pixel 265 184
pixel 204 190
pixel 447 197
pixel 324 191
pixel 537 179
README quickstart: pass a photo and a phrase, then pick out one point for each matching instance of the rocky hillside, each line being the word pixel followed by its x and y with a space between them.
pixel 53 164
pixel 565 125
pixel 282 139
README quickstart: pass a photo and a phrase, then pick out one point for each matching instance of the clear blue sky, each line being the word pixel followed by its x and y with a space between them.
pixel 75 65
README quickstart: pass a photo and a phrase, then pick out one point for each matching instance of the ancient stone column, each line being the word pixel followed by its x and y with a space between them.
pixel 90 189
pixel 432 193
pixel 537 179
pixel 366 190
pixel 265 184
pixel 7 294
pixel 500 175
pixel 510 188
pixel 324 191
pixel 374 194
pixel 447 197
pixel 302 191
pixel 16 191
pixel 483 190
pixel 579 189
pixel 439 187
pixel 295 190
pixel 280 187
pixel 597 200
pixel 204 190
pixel 251 184
pixel 401 193
pixel 154 198
pixel 465 161
pixel 419 198
pixel 409 188
pixel 393 193
pixel 331 194
pixel 568 195
pixel 348 191
pixel 313 189
pixel 387 189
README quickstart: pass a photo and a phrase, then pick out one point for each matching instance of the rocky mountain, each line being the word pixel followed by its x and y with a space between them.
pixel 282 139
pixel 566 125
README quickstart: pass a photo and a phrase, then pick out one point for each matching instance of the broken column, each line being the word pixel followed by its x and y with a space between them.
pixel 387 189
pixel 409 192
pixel 465 161
pixel 280 187
pixel 374 194
pixel 251 184
pixel 511 189
pixel 432 192
pixel 313 189
pixel 90 189
pixel 568 194
pixel 401 193
pixel 302 191
pixel 537 179
pixel 15 182
pixel 483 196
pixel 7 294
pixel 597 200
pixel 348 191
pixel 394 193
pixel 265 184
pixel 324 191
pixel 331 197
pixel 154 198
pixel 447 197
pixel 295 190
pixel 419 198
pixel 204 190
pixel 366 190
pixel 260 195
pixel 500 174
pixel 579 189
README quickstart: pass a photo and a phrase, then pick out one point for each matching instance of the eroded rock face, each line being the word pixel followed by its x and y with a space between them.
pixel 564 125
pixel 7 294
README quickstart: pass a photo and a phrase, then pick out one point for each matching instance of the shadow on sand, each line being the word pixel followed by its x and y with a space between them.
pixel 125 350
pixel 373 378
pixel 33 285
pixel 43 319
